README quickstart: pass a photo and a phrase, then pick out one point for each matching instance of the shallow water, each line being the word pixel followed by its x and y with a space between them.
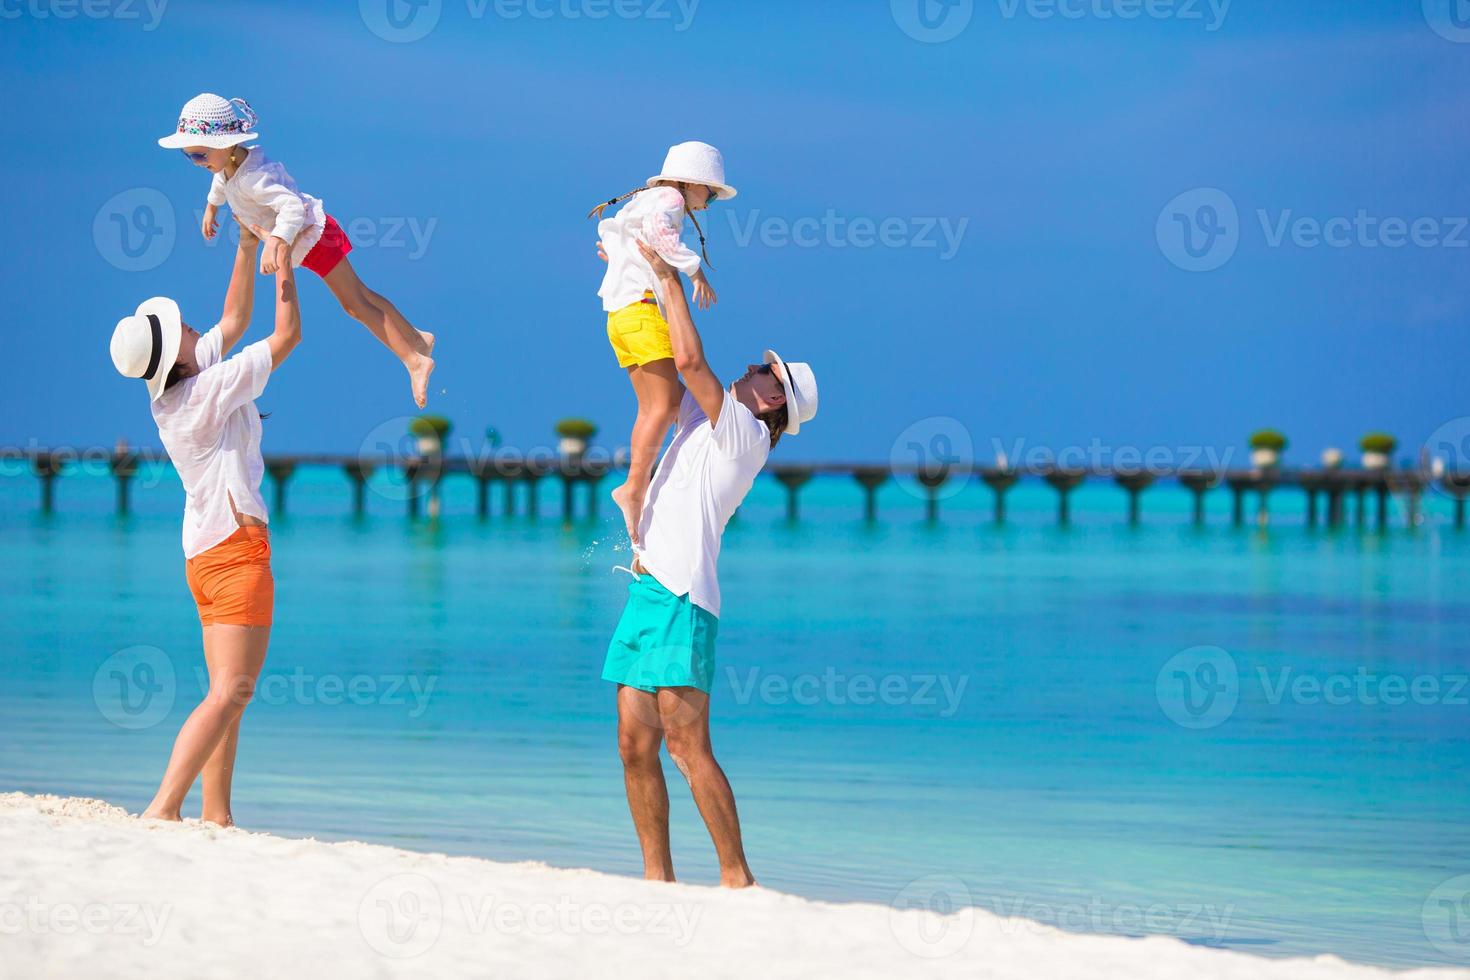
pixel 987 711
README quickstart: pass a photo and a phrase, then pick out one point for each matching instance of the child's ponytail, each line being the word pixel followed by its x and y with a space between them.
pixel 597 211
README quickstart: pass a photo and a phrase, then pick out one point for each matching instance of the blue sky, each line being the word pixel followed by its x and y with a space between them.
pixel 1026 285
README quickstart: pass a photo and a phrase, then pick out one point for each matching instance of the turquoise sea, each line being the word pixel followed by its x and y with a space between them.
pixel 1253 739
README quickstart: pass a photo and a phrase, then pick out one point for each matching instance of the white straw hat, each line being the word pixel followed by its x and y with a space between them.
pixel 801 391
pixel 209 120
pixel 146 344
pixel 695 163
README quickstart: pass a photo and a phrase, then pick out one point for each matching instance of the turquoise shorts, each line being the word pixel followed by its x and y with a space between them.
pixel 663 640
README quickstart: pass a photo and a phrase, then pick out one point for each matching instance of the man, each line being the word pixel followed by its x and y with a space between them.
pixel 662 655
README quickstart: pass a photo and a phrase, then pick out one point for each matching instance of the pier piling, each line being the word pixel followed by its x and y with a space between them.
pixel 870 478
pixel 932 478
pixel 793 478
pixel 124 467
pixel 1064 482
pixel 1457 485
pixel 1135 484
pixel 48 466
pixel 1198 483
pixel 280 471
pixel 999 480
pixel 359 472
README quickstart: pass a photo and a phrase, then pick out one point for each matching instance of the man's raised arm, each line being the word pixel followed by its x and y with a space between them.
pixel 688 348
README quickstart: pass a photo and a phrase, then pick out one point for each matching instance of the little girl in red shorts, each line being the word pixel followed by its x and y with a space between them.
pixel 261 192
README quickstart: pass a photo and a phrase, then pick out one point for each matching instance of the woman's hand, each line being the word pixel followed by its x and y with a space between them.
pixel 210 225
pixel 704 293
pixel 277 254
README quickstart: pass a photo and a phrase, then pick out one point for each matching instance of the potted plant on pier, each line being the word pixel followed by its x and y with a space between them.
pixel 574 435
pixel 1377 448
pixel 431 431
pixel 1266 448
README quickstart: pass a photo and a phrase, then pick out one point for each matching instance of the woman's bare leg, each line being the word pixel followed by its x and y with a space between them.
pixel 219 770
pixel 387 324
pixel 239 653
pixel 657 386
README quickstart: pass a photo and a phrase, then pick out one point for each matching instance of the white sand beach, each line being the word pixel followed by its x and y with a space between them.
pixel 88 889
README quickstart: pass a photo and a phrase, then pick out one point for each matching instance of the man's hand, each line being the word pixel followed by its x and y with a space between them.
pixel 277 253
pixel 210 225
pixel 661 269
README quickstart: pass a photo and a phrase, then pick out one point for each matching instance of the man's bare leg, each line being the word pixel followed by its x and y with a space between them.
pixel 639 738
pixel 685 715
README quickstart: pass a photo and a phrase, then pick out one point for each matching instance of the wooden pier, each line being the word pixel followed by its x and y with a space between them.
pixel 1334 497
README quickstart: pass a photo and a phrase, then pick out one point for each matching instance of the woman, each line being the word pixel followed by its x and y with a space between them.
pixel 204 406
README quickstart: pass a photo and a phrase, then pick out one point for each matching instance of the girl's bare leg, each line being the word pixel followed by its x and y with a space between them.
pixel 239 653
pixel 219 770
pixel 382 318
pixel 657 386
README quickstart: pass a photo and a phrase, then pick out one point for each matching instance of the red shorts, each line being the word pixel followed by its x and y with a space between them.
pixel 330 249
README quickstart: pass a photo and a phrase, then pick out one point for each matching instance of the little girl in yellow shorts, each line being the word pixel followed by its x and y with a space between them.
pixel 693 175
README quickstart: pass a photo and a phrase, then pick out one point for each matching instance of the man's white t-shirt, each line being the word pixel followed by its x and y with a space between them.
pixel 703 476
pixel 211 429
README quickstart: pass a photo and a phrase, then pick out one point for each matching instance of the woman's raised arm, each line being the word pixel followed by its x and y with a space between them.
pixel 240 299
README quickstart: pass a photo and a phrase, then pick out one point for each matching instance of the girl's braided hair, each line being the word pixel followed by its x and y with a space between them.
pixel 597 213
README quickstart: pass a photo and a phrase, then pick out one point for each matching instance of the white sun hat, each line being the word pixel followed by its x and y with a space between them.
pixel 146 344
pixel 695 163
pixel 209 120
pixel 801 391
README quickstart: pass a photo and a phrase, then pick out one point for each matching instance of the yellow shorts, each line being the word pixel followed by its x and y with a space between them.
pixel 638 333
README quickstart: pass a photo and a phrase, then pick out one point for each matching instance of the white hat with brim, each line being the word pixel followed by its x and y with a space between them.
pixel 146 344
pixel 801 391
pixel 213 121
pixel 695 163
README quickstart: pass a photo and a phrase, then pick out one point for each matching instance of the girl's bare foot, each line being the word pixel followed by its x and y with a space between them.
pixel 225 820
pixel 420 366
pixel 631 504
pixel 428 340
pixel 151 814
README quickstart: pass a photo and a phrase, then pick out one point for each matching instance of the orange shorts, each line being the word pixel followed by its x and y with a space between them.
pixel 232 582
